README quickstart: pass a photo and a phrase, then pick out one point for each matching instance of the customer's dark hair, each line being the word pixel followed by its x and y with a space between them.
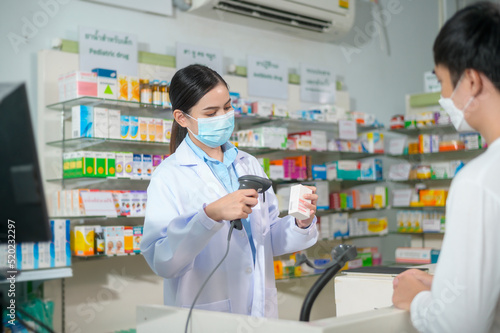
pixel 188 86
pixel 471 40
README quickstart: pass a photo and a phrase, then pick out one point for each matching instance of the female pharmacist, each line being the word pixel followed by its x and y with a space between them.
pixel 194 194
pixel 464 294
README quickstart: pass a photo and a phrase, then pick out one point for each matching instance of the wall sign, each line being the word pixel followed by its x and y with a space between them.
pixel 108 49
pixel 267 78
pixel 317 85
pixel 188 54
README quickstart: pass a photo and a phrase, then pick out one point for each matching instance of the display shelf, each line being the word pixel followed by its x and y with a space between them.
pixel 431 182
pixel 457 154
pixel 102 183
pixel 285 278
pixel 147 108
pixel 419 207
pixel 346 183
pixel 416 233
pixel 104 256
pixel 334 211
pixel 428 129
pixel 110 144
pixel 41 274
pixel 352 237
pixel 96 217
pixel 292 152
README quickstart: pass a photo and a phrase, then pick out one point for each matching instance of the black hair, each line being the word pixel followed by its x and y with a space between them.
pixel 188 86
pixel 471 40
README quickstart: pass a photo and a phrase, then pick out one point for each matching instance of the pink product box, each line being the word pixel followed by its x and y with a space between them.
pixel 288 169
pixel 78 84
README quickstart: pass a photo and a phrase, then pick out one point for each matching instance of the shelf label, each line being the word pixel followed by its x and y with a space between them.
pixel 401 198
pixel 397 146
pixel 108 49
pixel 188 54
pixel 348 130
pixel 98 204
pixel 400 171
pixel 317 85
pixel 267 78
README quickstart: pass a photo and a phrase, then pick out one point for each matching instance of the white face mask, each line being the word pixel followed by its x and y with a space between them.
pixel 456 115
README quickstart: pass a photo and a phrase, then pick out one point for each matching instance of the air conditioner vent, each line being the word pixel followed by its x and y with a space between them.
pixel 274 15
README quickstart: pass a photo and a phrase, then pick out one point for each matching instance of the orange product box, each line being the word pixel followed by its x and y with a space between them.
pixel 128 234
pixel 433 197
pixel 451 145
pixel 123 87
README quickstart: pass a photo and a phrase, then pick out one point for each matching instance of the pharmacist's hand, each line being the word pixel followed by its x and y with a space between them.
pixel 235 205
pixel 406 286
pixel 312 208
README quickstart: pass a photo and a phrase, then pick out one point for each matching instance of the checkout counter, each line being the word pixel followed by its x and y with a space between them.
pixel 363 301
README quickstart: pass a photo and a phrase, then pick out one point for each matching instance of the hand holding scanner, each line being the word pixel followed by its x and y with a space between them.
pixel 260 184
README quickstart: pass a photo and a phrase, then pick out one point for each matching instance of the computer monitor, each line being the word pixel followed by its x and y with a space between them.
pixel 22 198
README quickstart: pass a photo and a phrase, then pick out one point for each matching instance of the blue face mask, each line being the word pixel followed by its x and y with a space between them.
pixel 214 131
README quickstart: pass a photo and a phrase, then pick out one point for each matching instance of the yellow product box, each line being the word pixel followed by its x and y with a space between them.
pixel 123 87
pixel 82 241
pixel 433 197
pixel 128 235
pixel 133 89
pixel 143 129
pixel 159 130
pixel 151 129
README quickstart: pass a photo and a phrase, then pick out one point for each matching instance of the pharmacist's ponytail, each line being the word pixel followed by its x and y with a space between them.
pixel 188 86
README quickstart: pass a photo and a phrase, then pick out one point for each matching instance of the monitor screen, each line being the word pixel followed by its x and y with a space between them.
pixel 22 200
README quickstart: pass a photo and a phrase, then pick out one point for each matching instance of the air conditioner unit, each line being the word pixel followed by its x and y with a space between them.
pixel 321 20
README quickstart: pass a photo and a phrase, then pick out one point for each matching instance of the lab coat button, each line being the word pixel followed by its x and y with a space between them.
pixel 248 270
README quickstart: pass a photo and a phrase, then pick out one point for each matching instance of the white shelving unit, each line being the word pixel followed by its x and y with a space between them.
pixel 43 274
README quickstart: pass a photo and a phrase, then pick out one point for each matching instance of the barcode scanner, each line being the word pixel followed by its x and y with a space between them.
pixel 260 184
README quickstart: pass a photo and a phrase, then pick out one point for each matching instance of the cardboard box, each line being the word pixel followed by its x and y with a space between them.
pixel 128 235
pixel 136 203
pixel 120 240
pixel 297 206
pixel 100 164
pixel 416 255
pixel 143 129
pixel 60 251
pixel 144 200
pixel 151 130
pixel 100 122
pixel 109 241
pixel 43 251
pixel 128 164
pixel 125 127
pixel 137 238
pixel 119 165
pixel 147 166
pixel 138 169
pixel 82 241
pixel 107 84
pixel 371 169
pixel 373 142
pixel 134 128
pixel 167 130
pixel 159 130
pixel 114 124
pixel 123 86
pixel 110 164
pixel 82 121
pixel 79 84
pixel 125 203
pixel 348 170
pixel 133 89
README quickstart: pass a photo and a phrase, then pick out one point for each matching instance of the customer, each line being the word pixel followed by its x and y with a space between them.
pixel 464 294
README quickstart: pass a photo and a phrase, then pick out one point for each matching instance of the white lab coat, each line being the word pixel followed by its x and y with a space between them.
pixel 183 245
pixel 465 294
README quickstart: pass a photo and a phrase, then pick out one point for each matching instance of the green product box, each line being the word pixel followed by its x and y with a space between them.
pixel 264 163
pixel 366 258
pixel 110 164
pixel 100 165
pixel 66 165
pixel 343 200
pixel 85 165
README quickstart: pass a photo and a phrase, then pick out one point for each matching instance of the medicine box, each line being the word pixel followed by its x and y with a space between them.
pixel 348 170
pixel 128 164
pixel 339 225
pixel 25 253
pixel 125 203
pixel 371 169
pixel 156 160
pixel 159 130
pixel 123 86
pixel 134 128
pixel 167 130
pixel 119 165
pixel 143 129
pixel 144 200
pixel 151 129
pixel 137 167
pixel 125 127
pixel 79 84
pixel 136 203
pixel 120 240
pixel 297 207
pixel 100 122
pixel 82 241
pixel 100 164
pixel 133 89
pixel 60 251
pixel 373 142
pixel 147 166
pixel 415 255
pixel 43 251
pixel 137 238
pixel 114 124
pixel 107 85
pixel 110 164
pixel 109 241
pixel 128 235
pixel 82 122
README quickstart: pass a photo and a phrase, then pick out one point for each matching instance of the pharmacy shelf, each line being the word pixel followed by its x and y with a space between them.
pixel 285 278
pixel 334 211
pixel 103 183
pixel 457 154
pixel 283 153
pixel 41 274
pixel 95 217
pixel 104 256
pixel 429 182
pixel 436 129
pixel 416 233
pixel 345 183
pixel 419 207
pixel 352 237
pixel 111 145
pixel 137 108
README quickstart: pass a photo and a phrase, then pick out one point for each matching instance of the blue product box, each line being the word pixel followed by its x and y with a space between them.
pixel 105 72
pixel 435 256
pixel 319 171
pixel 82 122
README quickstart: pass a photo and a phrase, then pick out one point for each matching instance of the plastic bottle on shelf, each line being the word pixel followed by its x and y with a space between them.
pixel 155 88
pixel 145 91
